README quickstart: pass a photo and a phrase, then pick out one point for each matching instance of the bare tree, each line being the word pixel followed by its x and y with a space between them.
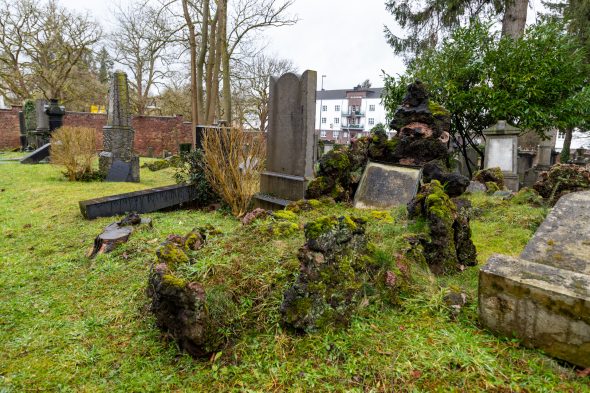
pixel 40 47
pixel 251 88
pixel 143 43
pixel 223 27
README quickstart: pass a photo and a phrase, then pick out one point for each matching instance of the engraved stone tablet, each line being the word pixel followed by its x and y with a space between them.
pixel 385 186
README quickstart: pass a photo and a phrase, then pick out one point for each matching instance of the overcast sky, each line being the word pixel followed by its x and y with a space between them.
pixel 342 39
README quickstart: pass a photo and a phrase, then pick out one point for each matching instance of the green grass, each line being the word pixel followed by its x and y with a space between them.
pixel 68 323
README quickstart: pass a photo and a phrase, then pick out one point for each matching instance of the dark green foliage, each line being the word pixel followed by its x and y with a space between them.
pixel 30 115
pixel 562 179
pixel 537 82
pixel 190 169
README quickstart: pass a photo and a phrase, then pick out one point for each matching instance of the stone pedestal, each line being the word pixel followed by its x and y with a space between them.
pixel 118 162
pixel 290 143
pixel 543 297
pixel 501 151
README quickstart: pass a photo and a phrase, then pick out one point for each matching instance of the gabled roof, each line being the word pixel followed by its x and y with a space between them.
pixel 341 94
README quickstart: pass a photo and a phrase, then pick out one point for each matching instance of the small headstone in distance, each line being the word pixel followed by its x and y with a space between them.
pixel 385 186
pixel 119 171
pixel 475 186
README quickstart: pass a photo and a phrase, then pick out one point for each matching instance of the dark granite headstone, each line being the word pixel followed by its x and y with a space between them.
pixel 119 171
pixel 385 186
pixel 144 201
pixel 38 155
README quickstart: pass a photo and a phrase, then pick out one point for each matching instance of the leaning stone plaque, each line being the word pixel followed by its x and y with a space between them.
pixel 384 186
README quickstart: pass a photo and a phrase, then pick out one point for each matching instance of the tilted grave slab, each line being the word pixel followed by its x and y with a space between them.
pixel 543 297
pixel 36 156
pixel 384 186
pixel 144 201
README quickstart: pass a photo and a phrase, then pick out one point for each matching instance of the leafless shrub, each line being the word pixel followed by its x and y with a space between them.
pixel 74 148
pixel 233 160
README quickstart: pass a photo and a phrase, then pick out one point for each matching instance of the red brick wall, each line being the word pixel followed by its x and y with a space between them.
pixel 9 128
pixel 152 133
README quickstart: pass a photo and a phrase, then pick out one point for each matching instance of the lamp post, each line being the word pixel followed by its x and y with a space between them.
pixel 321 102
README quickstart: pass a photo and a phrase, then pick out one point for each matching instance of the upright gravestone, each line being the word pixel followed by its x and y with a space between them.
pixel 118 162
pixel 55 114
pixel 41 134
pixel 290 141
pixel 501 151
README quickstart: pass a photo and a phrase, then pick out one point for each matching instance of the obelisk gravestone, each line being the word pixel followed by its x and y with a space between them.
pixel 118 162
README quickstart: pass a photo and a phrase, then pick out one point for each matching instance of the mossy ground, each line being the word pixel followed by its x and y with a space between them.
pixel 68 323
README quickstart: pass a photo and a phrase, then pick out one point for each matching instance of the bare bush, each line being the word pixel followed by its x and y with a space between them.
pixel 233 161
pixel 74 148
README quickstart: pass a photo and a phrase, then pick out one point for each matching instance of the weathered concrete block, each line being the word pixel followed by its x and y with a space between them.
pixel 543 297
pixel 545 307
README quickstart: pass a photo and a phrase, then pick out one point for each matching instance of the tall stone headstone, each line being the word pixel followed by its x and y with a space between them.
pixel 41 135
pixel 118 161
pixel 501 151
pixel 290 141
pixel 55 114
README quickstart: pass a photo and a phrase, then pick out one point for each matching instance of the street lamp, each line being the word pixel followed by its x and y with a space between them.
pixel 321 107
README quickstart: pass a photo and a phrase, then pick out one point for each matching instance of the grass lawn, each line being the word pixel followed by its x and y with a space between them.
pixel 68 323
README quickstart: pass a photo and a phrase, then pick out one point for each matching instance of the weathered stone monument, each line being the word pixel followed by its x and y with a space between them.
pixel 543 297
pixel 383 186
pixel 501 151
pixel 118 162
pixel 290 142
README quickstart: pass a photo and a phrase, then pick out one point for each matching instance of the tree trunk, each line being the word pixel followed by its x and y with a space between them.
pixel 193 50
pixel 514 19
pixel 567 142
pixel 201 61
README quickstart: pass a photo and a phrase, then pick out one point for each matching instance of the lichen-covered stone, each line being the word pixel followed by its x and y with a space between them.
pixel 453 183
pixel 303 205
pixel 338 269
pixel 254 215
pixel 172 254
pixel 562 179
pixel 180 310
pixel 493 175
pixel 448 246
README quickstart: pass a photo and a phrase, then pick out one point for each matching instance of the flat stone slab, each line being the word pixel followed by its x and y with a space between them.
pixel 545 307
pixel 543 297
pixel 144 201
pixel 384 186
pixel 35 157
pixel 563 239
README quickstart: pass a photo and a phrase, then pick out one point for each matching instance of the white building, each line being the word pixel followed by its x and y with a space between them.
pixel 345 114
pixel 580 140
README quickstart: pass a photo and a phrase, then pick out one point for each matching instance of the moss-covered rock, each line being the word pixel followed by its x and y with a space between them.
pixel 493 175
pixel 338 270
pixel 562 179
pixel 304 205
pixel 448 245
pixel 527 196
pixel 172 253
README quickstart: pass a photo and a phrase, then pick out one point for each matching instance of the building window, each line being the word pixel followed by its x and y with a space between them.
pixel 336 120
pixel 561 135
pixel 337 108
pixel 336 134
pixel 371 121
pixel 324 120
pixel 345 134
pixel 324 108
pixel 372 108
pixel 323 134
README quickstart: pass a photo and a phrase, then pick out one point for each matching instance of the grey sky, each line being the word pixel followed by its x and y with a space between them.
pixel 342 39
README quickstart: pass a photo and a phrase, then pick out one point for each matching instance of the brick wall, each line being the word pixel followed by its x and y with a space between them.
pixel 153 134
pixel 9 128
